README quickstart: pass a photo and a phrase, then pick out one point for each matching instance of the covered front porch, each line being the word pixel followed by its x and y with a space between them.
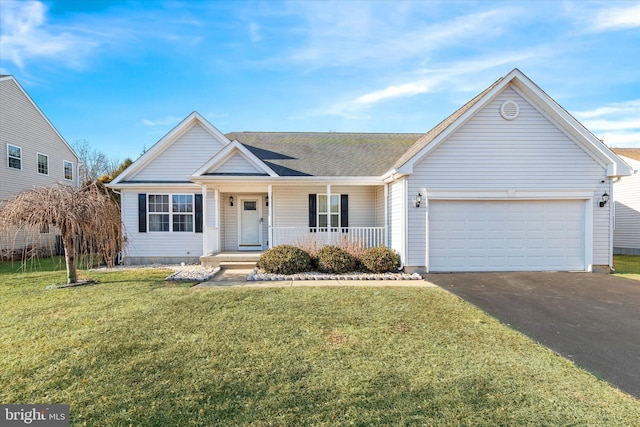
pixel 250 218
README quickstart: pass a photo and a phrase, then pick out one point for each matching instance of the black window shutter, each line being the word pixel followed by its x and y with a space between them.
pixel 198 212
pixel 313 211
pixel 142 213
pixel 344 210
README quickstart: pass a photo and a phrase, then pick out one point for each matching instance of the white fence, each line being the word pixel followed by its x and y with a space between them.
pixel 367 237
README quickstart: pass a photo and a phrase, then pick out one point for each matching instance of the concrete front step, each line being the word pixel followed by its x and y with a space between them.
pixel 237 265
pixel 231 259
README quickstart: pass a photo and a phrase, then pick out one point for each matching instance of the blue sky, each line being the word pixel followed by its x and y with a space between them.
pixel 121 74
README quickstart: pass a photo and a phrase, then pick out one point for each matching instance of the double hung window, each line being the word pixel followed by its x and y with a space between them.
pixel 14 156
pixel 68 170
pixel 43 164
pixel 328 211
pixel 170 212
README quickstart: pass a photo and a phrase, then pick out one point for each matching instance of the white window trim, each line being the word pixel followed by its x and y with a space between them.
pixel 10 157
pixel 171 213
pixel 38 154
pixel 328 212
pixel 64 175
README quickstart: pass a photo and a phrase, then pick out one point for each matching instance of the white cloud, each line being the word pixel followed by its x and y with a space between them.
pixel 360 34
pixel 254 32
pixel 25 36
pixel 407 89
pixel 454 77
pixel 169 120
pixel 617 18
pixel 618 123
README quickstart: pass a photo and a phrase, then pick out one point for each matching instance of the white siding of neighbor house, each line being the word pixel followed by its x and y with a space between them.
pixel 156 246
pixel 626 235
pixel 22 125
pixel 236 164
pixel 183 157
pixel 489 152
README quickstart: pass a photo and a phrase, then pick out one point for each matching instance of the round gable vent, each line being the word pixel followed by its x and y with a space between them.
pixel 509 110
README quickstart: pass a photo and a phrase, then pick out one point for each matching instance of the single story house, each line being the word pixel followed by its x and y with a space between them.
pixel 626 230
pixel 510 181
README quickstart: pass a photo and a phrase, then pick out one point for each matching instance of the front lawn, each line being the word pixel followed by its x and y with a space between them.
pixel 134 350
pixel 627 266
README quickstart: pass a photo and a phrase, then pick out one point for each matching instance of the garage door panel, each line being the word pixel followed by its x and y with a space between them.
pixel 506 235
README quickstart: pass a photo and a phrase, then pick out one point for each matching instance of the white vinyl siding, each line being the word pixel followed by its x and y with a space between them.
pixel 178 161
pixel 236 164
pixel 626 194
pixel 291 204
pixel 24 126
pixel 488 152
pixel 155 245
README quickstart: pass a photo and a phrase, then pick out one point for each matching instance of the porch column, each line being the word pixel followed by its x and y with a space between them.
pixel 205 224
pixel 270 214
pixel 328 214
pixel 386 216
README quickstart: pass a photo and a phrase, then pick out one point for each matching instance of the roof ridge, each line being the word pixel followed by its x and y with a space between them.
pixel 328 133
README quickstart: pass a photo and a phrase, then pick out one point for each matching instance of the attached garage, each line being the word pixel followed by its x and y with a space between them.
pixel 507 235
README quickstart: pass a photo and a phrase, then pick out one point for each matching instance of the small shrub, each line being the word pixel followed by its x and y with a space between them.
pixel 380 260
pixel 332 259
pixel 285 259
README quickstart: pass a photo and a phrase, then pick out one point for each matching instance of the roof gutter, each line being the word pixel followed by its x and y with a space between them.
pixel 392 175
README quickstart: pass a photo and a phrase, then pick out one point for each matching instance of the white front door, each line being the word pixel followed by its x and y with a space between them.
pixel 250 230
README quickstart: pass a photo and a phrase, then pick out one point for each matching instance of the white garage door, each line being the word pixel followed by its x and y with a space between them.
pixel 506 235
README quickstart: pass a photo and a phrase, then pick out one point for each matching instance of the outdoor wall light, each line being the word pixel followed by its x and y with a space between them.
pixel 266 199
pixel 605 199
pixel 230 200
pixel 417 200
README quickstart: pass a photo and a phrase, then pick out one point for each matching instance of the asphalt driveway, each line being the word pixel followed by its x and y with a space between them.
pixel 592 319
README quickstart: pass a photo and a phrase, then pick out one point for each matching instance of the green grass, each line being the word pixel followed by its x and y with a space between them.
pixel 627 266
pixel 133 350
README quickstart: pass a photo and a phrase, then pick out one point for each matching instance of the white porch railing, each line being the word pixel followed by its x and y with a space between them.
pixel 368 237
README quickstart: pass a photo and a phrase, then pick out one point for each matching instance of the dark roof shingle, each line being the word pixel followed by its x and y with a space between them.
pixel 327 153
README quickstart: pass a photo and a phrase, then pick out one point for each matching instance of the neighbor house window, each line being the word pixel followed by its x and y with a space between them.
pixel 328 211
pixel 170 212
pixel 68 170
pixel 14 156
pixel 43 164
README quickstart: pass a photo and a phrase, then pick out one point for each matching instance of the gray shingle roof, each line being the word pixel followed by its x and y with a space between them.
pixel 328 153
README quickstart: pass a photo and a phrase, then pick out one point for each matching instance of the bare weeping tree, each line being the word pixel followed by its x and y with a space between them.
pixel 88 220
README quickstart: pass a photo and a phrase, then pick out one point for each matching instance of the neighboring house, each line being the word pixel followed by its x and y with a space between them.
pixel 626 232
pixel 34 155
pixel 510 181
